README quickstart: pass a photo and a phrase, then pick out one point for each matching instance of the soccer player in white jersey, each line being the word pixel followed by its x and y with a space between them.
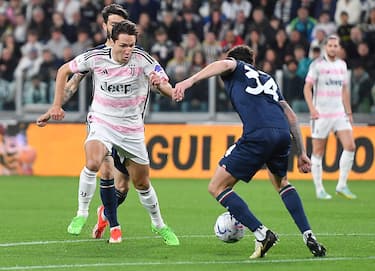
pixel 327 96
pixel 112 14
pixel 121 77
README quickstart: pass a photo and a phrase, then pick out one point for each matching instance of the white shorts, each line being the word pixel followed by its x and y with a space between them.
pixel 127 148
pixel 321 128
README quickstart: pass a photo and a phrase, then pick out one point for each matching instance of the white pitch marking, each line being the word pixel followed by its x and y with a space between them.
pixel 263 261
pixel 34 243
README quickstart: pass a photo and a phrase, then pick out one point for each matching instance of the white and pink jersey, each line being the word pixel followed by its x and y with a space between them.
pixel 121 91
pixel 328 78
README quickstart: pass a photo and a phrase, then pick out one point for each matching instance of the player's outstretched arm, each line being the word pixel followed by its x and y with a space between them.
pixel 304 163
pixel 70 89
pixel 215 68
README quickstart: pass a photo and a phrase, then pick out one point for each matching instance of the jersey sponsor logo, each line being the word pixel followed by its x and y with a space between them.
pixel 332 82
pixel 116 88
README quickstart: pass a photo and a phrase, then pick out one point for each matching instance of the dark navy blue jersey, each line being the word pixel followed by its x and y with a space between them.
pixel 255 96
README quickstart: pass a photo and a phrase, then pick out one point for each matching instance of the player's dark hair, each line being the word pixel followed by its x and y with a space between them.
pixel 125 27
pixel 242 52
pixel 114 9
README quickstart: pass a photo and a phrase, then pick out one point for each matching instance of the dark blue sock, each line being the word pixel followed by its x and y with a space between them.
pixel 238 208
pixel 108 196
pixel 293 203
pixel 120 197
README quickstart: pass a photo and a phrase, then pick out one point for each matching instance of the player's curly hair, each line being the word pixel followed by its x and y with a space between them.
pixel 114 9
pixel 242 52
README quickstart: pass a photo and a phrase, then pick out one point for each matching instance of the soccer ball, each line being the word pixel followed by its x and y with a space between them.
pixel 228 229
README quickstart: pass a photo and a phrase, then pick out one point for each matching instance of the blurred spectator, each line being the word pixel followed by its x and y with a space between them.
pixel 191 23
pixel 40 24
pixel 68 8
pixel 366 59
pixel 351 7
pixel 32 42
pixel 217 24
pixel 231 8
pixel 239 25
pixel 303 61
pixel 303 23
pixel 261 24
pixel 325 6
pixel 296 39
pixel 211 47
pixel 171 26
pixel 360 86
pixel 57 42
pixel 88 11
pixel 267 6
pixel 29 65
pixel 8 64
pixel 67 30
pixel 163 47
pixel 83 42
pixel 10 43
pixel 178 67
pixel 270 60
pixel 280 45
pixel 286 10
pixel 292 87
pixel 20 29
pixel 7 92
pixel 190 45
pixel 316 52
pixel 196 99
pixel 343 29
pixel 35 91
pixel 46 6
pixel 5 25
pixel 369 30
pixel 14 8
pixel 230 40
pixel 325 24
pixel 47 72
pixel 256 41
pixel 146 29
pixel 356 37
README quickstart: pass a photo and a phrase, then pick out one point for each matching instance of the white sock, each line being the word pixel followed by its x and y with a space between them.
pixel 86 190
pixel 306 234
pixel 317 171
pixel 260 233
pixel 346 163
pixel 149 200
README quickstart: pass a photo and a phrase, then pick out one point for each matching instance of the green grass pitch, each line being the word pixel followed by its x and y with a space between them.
pixel 35 212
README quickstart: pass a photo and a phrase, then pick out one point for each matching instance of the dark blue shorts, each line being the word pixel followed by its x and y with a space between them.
pixel 267 146
pixel 118 164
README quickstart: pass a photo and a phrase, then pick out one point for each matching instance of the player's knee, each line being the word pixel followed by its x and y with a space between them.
pixel 93 165
pixel 142 184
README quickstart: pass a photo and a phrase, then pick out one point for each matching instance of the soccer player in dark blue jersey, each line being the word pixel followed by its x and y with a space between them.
pixel 268 122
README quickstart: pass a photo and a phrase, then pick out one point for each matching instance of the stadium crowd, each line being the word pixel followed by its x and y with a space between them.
pixel 37 36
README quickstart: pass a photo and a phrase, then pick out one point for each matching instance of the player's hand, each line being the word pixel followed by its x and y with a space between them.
pixel 155 79
pixel 178 93
pixel 56 112
pixel 43 119
pixel 304 163
pixel 314 114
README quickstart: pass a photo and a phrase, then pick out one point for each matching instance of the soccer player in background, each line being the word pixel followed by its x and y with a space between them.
pixel 268 122
pixel 95 146
pixel 328 98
